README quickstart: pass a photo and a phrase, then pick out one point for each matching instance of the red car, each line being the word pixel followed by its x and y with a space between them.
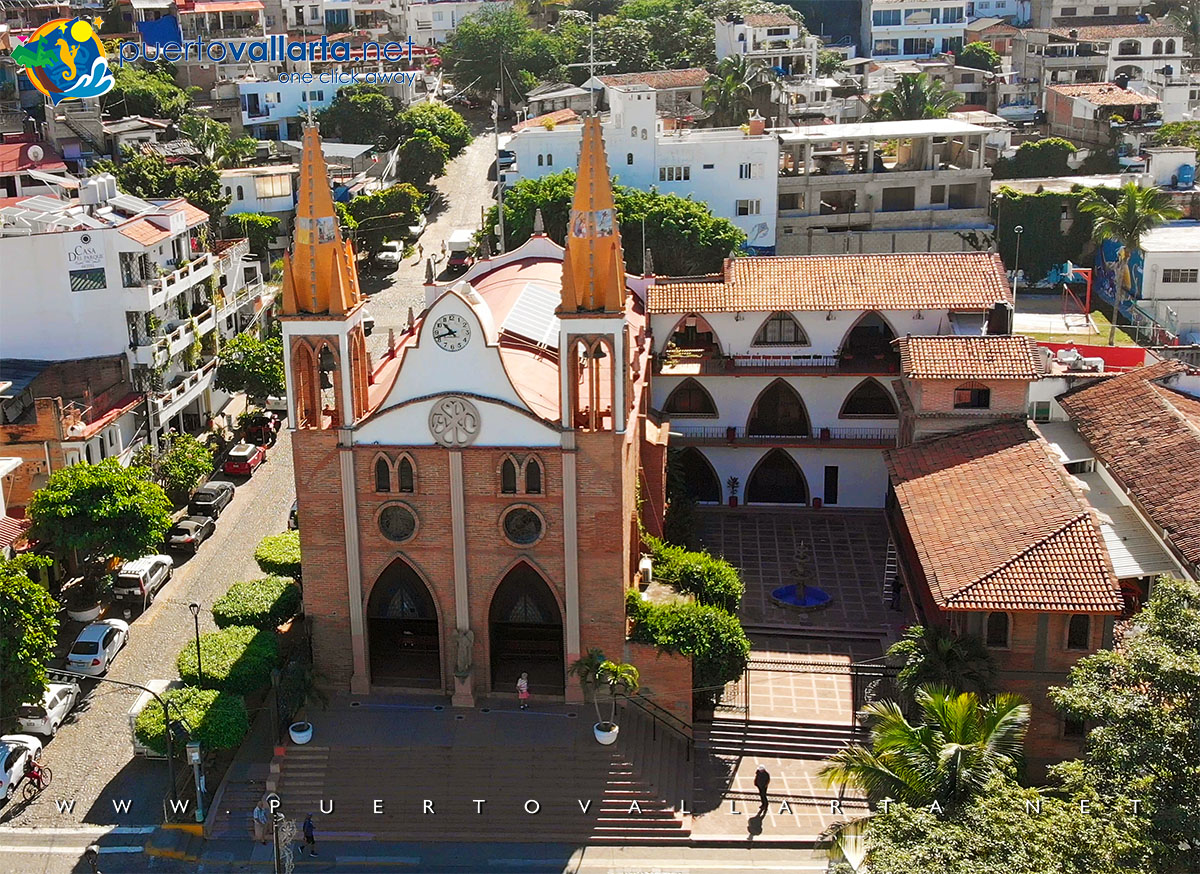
pixel 245 458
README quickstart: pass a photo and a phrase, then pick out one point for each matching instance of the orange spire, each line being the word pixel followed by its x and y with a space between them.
pixel 319 274
pixel 593 267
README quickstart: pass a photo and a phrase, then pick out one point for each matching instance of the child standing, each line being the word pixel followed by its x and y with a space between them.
pixel 523 690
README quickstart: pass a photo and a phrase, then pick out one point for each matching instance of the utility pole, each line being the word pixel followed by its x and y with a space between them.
pixel 591 65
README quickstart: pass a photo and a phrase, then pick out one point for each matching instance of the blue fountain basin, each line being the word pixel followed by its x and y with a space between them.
pixel 798 598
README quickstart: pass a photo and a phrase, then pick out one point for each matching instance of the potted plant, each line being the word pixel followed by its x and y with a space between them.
pixel 732 484
pixel 83 598
pixel 596 672
pixel 300 732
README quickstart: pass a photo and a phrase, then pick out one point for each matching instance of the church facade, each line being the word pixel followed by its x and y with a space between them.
pixel 470 504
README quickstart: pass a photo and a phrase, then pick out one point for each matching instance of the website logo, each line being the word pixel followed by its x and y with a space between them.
pixel 65 60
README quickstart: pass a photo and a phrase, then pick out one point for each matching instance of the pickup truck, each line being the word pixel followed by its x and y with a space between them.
pixel 159 686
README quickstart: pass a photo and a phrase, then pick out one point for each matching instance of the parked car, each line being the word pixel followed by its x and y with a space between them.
pixel 507 159
pixel 138 581
pixel 294 516
pixel 415 230
pixel 210 499
pixel 368 323
pixel 244 459
pixel 457 246
pixel 276 405
pixel 46 716
pixel 97 645
pixel 260 427
pixel 16 752
pixel 190 531
pixel 390 255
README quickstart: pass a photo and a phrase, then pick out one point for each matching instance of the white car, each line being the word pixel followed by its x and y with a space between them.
pixel 16 751
pixel 46 717
pixel 96 647
pixel 391 254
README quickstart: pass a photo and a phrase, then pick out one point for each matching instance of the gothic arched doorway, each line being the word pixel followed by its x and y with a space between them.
pixel 778 412
pixel 699 479
pixel 777 479
pixel 402 628
pixel 526 633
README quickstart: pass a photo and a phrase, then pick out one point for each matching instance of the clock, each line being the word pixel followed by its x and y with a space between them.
pixel 452 332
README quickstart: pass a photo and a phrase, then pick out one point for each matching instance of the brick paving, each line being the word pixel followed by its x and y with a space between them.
pixel 822 693
pixel 92 756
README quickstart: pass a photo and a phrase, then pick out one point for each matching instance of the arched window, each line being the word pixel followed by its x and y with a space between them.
pixel 383 476
pixel 406 476
pixel 633 131
pixel 228 191
pixel 1129 47
pixel 541 160
pixel 777 479
pixel 694 332
pixel 240 195
pixel 690 399
pixel 1170 47
pixel 1157 47
pixel 780 329
pixel 997 630
pixel 629 157
pixel 972 396
pixel 508 477
pixel 871 337
pixel 1079 632
pixel 549 160
pixel 869 400
pixel 533 477
pixel 778 412
pixel 699 479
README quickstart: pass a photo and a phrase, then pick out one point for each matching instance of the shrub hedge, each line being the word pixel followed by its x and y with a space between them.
pixel 279 554
pixel 217 719
pixel 237 659
pixel 712 637
pixel 713 581
pixel 265 603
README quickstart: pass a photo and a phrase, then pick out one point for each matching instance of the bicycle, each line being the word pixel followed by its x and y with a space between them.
pixel 36 780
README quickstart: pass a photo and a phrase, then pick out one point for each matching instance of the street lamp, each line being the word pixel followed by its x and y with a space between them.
pixel 1018 230
pixel 499 179
pixel 195 608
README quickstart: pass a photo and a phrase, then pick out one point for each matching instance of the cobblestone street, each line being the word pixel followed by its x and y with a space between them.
pixel 92 756
pixel 462 191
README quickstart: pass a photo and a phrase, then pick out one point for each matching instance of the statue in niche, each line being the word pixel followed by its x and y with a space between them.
pixel 465 639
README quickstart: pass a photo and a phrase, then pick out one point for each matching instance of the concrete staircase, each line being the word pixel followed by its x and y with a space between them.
pixel 622 805
pixel 770 739
pixel 663 758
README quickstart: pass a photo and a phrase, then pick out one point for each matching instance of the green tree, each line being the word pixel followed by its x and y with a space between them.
pixel 384 215
pixel 1136 212
pixel 915 96
pixel 627 43
pixel 948 758
pixel 253 365
pixel 147 90
pixel 933 655
pixel 496 38
pixel 440 120
pixel 1186 16
pixel 979 55
pixel 217 719
pixel 729 93
pixel 259 229
pixel 683 235
pixel 1142 701
pixel 28 629
pixel 361 114
pixel 180 463
pixel 150 176
pixel 828 63
pixel 1178 133
pixel 214 139
pixel 422 158
pixel 89 513
pixel 1046 157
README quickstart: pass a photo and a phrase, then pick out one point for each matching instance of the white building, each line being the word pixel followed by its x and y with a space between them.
pixel 914 28
pixel 889 186
pixel 1084 52
pixel 779 372
pixel 117 274
pixel 1170 278
pixel 1177 90
pixel 268 190
pixel 430 22
pixel 773 40
pixel 730 170
pixel 273 110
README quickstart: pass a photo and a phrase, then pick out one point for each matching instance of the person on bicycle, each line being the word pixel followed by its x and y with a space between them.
pixel 33 772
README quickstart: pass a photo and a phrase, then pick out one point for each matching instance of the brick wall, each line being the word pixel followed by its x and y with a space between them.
pixel 32 442
pixel 666 677
pixel 937 396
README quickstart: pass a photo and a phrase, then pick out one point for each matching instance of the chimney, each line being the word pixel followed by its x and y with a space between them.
pixel 757 124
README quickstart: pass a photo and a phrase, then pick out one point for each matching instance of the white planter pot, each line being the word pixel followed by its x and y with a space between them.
pixel 301 732
pixel 86 615
pixel 606 737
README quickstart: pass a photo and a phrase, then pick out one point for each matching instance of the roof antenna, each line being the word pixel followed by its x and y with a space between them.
pixel 591 65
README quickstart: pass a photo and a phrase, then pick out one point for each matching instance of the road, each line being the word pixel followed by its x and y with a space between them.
pixel 462 191
pixel 92 757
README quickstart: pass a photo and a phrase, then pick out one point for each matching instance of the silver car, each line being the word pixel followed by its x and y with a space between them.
pixel 16 752
pixel 96 647
pixel 45 718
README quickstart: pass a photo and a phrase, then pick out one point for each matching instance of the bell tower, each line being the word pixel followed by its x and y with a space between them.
pixel 593 339
pixel 325 351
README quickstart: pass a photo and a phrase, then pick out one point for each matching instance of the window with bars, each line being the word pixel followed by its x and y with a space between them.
pixel 1180 274
pixel 674 174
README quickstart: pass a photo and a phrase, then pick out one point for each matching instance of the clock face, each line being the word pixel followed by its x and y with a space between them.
pixel 451 332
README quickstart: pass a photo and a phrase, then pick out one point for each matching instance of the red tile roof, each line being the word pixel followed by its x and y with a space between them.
pixel 692 77
pixel 194 215
pixel 997 525
pixel 1105 94
pixel 14 158
pixel 973 281
pixel 144 231
pixel 1098 28
pixel 769 19
pixel 988 357
pixel 1148 438
pixel 12 530
pixel 559 116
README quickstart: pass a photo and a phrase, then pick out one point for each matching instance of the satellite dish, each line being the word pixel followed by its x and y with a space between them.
pixel 36 153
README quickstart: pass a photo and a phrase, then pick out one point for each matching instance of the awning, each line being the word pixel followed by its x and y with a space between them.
pixel 224 6
pixel 150 4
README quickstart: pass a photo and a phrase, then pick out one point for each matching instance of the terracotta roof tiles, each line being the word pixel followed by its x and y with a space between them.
pixel 953 357
pixel 692 77
pixel 997 525
pixel 144 232
pixel 964 281
pixel 1105 94
pixel 769 19
pixel 1148 438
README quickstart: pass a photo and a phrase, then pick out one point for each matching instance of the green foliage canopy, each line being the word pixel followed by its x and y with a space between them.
pixel 1046 157
pixel 259 229
pixel 279 554
pixel 150 176
pixel 179 465
pixel 217 719
pixel 237 659
pixel 935 655
pixel 422 157
pixel 979 55
pixel 145 89
pixel 252 365
pixel 28 629
pixel 384 215
pixel 713 638
pixel 713 581
pixel 440 120
pixel 361 114
pixel 265 603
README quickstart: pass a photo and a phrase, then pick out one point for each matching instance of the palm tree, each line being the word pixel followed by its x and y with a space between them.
pixel 932 654
pixel 595 673
pixel 915 96
pixel 1136 212
pixel 729 93
pixel 1186 17
pixel 949 758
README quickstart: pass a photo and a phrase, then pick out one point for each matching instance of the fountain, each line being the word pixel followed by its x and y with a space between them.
pixel 800 596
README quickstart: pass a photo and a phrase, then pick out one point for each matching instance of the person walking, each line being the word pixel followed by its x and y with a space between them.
pixel 762 779
pixel 310 838
pixel 260 823
pixel 523 690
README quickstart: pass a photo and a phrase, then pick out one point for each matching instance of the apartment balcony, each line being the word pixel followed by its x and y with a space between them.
pixel 881 364
pixel 166 404
pixel 827 438
pixel 154 293
pixel 157 351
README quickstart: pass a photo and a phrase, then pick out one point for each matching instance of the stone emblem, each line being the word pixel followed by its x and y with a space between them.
pixel 454 422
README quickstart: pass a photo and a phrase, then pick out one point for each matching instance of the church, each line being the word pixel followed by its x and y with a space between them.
pixel 471 503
